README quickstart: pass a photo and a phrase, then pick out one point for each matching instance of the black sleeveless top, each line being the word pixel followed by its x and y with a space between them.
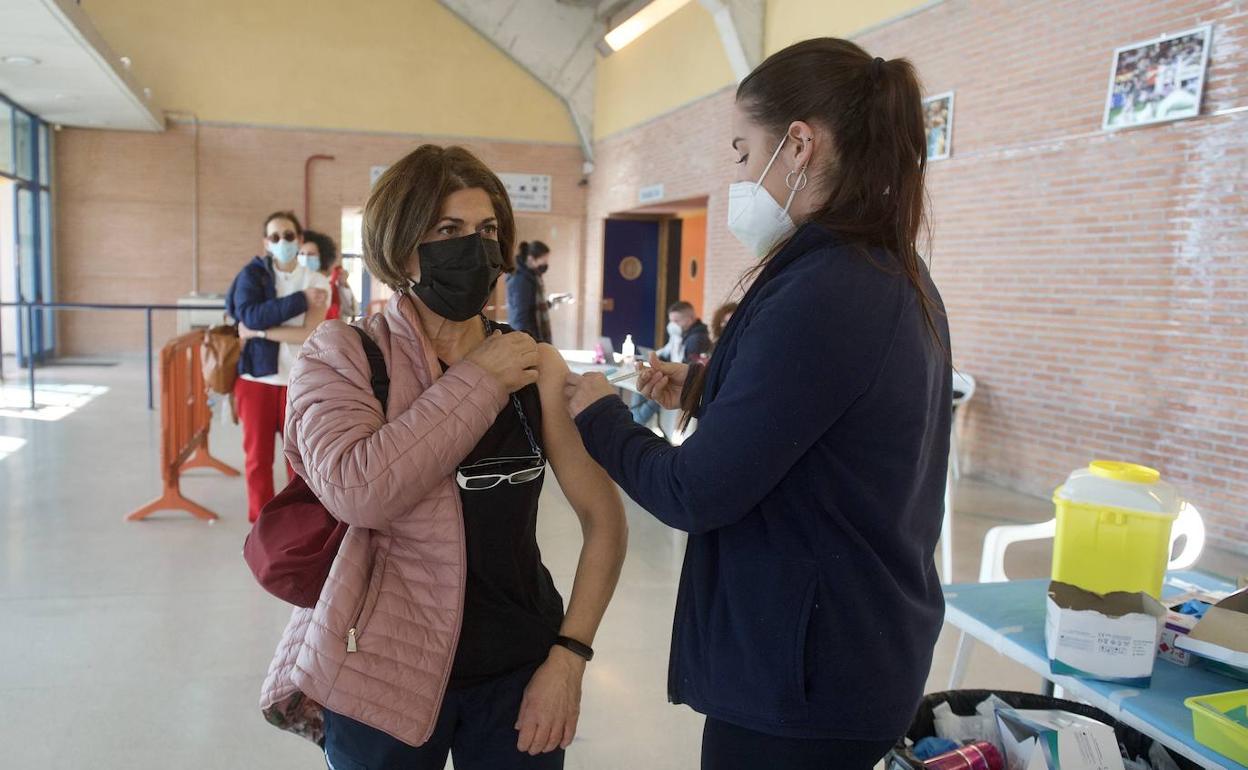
pixel 512 610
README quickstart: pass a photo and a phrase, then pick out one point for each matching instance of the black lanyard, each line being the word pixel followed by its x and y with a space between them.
pixel 515 402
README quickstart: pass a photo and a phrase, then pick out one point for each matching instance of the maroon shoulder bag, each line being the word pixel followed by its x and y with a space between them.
pixel 294 541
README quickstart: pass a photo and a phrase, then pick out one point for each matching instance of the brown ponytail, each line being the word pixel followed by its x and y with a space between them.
pixel 874 179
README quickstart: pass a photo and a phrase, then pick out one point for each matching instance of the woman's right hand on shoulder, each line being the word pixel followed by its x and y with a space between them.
pixel 663 382
pixel 509 358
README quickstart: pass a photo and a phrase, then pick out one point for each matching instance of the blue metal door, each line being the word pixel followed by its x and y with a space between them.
pixel 630 281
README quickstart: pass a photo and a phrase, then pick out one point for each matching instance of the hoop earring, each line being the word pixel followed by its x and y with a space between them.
pixel 802 180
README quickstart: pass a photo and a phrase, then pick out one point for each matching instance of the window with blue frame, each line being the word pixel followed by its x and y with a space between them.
pixel 26 162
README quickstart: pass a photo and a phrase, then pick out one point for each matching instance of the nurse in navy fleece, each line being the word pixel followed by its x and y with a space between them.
pixel 809 603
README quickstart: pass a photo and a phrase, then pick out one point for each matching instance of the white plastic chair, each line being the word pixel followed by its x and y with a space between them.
pixel 1190 526
pixel 963 390
pixel 963 384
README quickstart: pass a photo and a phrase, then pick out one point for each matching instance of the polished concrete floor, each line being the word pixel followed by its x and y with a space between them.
pixel 143 645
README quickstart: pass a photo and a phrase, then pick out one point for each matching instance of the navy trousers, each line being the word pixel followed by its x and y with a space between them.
pixel 476 726
pixel 728 747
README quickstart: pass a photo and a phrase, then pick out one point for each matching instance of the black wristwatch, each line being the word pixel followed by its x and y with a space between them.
pixel 577 648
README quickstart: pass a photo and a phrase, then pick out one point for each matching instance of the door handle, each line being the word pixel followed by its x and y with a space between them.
pixel 608 304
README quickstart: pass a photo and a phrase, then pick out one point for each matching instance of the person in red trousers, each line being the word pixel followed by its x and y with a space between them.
pixel 277 303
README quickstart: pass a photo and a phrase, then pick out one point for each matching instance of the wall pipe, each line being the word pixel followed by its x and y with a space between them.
pixel 307 187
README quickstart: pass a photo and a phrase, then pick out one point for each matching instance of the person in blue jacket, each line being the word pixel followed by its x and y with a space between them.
pixel 528 309
pixel 277 303
pixel 812 491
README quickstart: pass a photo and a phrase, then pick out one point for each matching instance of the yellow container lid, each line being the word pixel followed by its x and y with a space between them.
pixel 1122 485
pixel 1119 471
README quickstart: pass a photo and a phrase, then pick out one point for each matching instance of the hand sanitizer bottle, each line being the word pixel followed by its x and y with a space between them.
pixel 629 351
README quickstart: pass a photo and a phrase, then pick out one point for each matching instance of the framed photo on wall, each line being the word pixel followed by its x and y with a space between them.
pixel 1159 80
pixel 938 125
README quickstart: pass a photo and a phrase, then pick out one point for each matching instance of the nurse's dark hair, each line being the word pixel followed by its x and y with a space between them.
pixel 874 175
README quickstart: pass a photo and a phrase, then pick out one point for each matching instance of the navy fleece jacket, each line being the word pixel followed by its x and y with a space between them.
pixel 812 492
pixel 253 300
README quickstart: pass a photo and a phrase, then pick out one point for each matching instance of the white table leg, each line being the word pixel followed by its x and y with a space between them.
pixel 961 659
pixel 946 533
pixel 955 457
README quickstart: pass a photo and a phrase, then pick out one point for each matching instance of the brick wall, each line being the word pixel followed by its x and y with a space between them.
pixel 123 230
pixel 1097 284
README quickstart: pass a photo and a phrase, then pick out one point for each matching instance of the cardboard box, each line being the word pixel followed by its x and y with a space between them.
pixel 1112 637
pixel 1222 636
pixel 1178 625
pixel 1049 740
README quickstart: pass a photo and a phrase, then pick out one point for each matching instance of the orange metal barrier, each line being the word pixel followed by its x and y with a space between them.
pixel 184 422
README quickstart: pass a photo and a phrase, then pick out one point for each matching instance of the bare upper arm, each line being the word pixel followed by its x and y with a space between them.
pixel 583 481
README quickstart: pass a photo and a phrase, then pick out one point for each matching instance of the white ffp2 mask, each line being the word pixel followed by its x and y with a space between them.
pixel 754 217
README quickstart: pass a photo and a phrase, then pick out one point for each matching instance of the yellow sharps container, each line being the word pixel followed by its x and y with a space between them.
pixel 1113 528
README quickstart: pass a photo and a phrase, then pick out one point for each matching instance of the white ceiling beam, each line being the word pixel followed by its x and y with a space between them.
pixel 740 25
pixel 552 41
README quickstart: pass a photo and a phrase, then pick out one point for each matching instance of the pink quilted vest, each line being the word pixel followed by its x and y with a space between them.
pixel 379 644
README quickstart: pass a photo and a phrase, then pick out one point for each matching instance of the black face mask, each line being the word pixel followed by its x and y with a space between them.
pixel 542 270
pixel 457 275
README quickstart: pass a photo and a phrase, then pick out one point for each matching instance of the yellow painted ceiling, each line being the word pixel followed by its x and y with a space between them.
pixel 406 66
pixel 682 59
pixel 411 66
pixel 789 21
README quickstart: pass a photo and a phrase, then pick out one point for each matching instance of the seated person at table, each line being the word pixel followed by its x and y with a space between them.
pixel 688 340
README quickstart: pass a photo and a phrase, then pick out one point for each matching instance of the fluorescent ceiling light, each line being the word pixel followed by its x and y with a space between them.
pixel 20 61
pixel 642 22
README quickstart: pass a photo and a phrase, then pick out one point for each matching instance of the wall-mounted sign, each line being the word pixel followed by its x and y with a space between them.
pixel 938 124
pixel 528 192
pixel 1158 80
pixel 650 194
pixel 374 174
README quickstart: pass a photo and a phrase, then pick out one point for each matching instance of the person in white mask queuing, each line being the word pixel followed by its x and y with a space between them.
pixel 812 489
pixel 688 341
pixel 319 253
pixel 277 303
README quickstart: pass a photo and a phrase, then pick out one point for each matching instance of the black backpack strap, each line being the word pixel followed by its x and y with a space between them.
pixel 379 376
